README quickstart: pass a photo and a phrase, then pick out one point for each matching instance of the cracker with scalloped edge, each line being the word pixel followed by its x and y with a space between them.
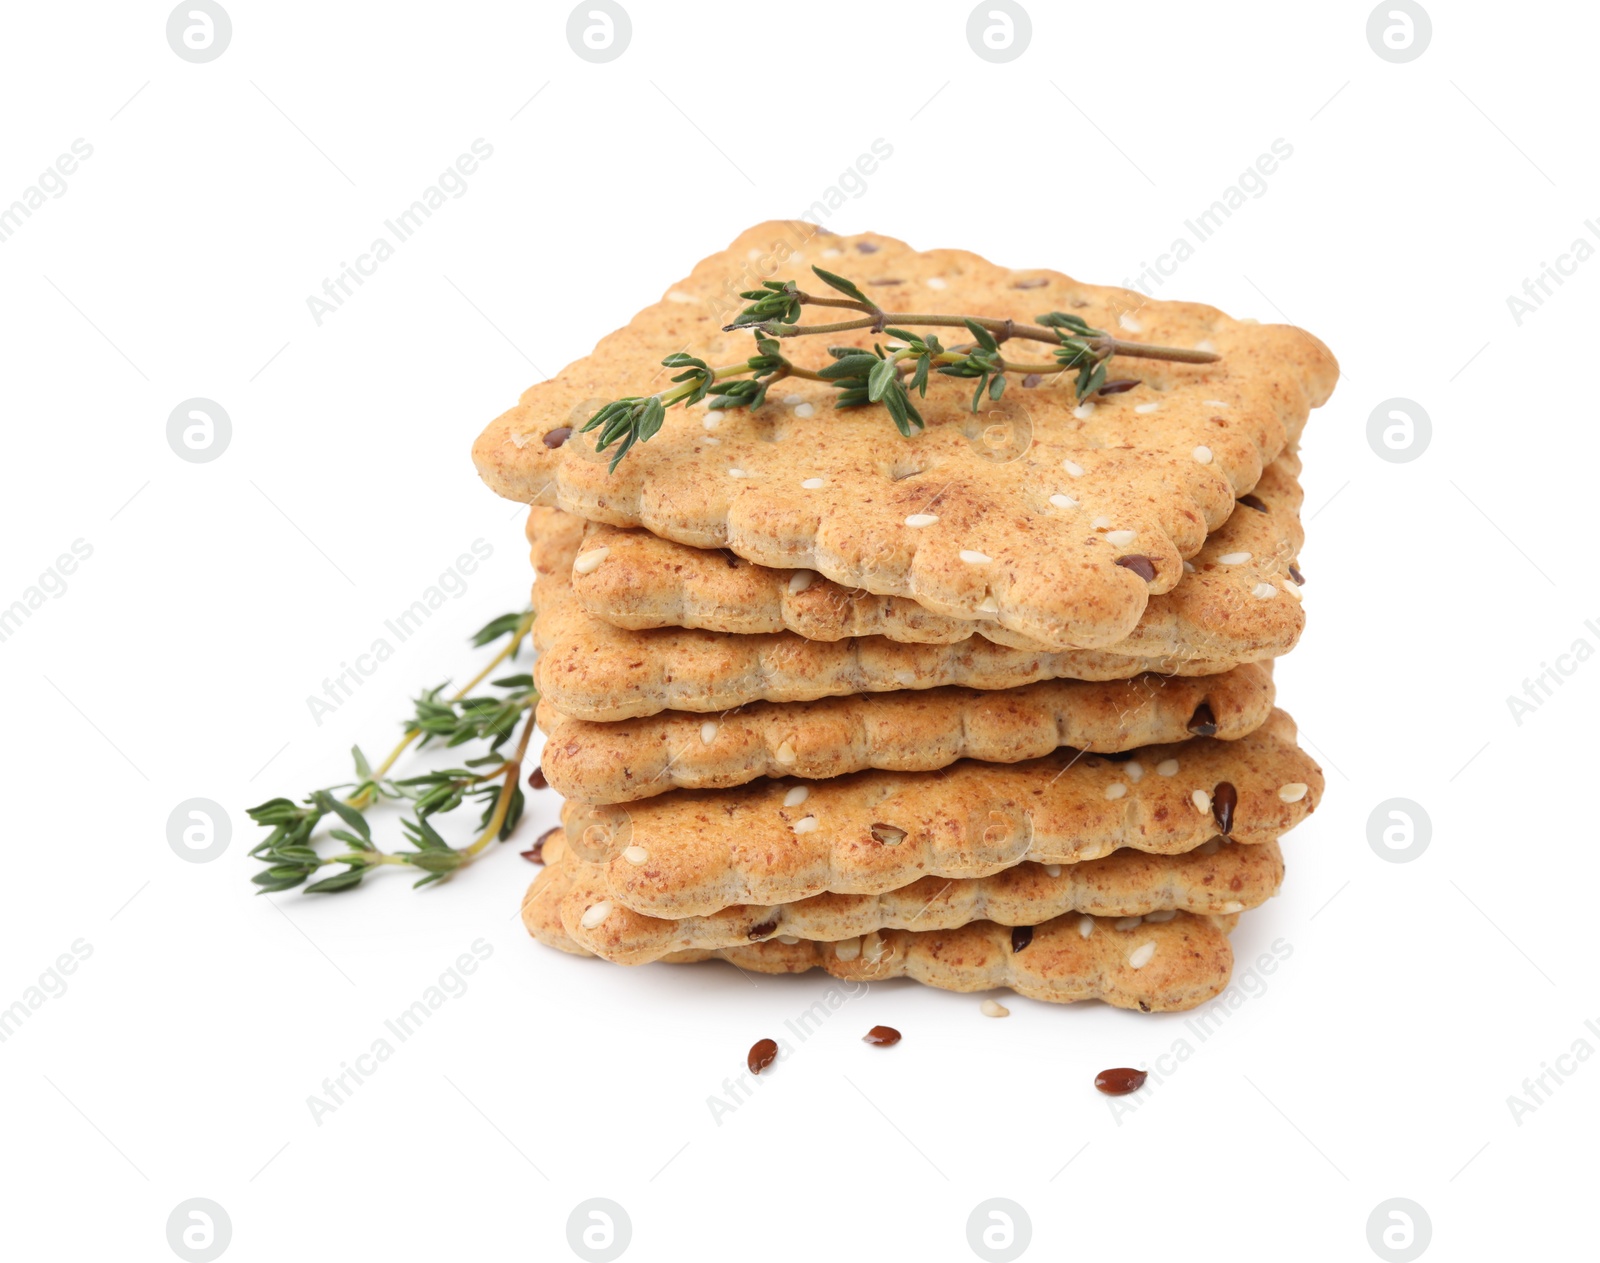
pixel 800 485
pixel 1225 607
pixel 692 852
pixel 1217 878
pixel 907 731
pixel 1160 967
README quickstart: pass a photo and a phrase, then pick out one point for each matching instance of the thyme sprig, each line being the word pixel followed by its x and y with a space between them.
pixel 881 375
pixel 492 779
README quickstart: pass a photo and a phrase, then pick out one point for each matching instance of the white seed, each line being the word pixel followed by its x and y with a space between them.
pixel 1234 559
pixel 1129 323
pixel 1085 926
pixel 1101 523
pixel 1128 923
pixel 1141 956
pixel 737 473
pixel 1202 454
pixel 974 558
pixel 678 296
pixel 708 732
pixel 797 795
pixel 1052 870
pixel 873 947
pixel 711 420
pixel 993 1008
pixel 1201 801
pixel 849 949
pixel 1063 501
pixel 1293 589
pixel 791 400
pixel 1167 767
pixel 1156 918
pixel 1116 790
pixel 918 520
pixel 589 562
pixel 1188 567
pixel 1263 591
pixel 1293 792
pixel 831 253
pixel 1073 468
pixel 800 580
pixel 636 855
pixel 804 409
pixel 1214 403
pixel 938 282
pixel 1133 770
pixel 785 754
pixel 797 258
pixel 806 824
pixel 905 677
pixel 812 484
pixel 788 940
pixel 1084 411
pixel 1233 905
pixel 715 442
pixel 595 913
pixel 1205 344
pixel 1146 407
pixel 1121 538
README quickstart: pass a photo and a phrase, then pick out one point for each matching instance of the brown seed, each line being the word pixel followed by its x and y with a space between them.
pixel 1037 282
pixel 762 1054
pixel 1118 386
pixel 888 834
pixel 535 853
pixel 1203 723
pixel 1021 936
pixel 1140 565
pixel 866 247
pixel 886 280
pixel 536 778
pixel 558 436
pixel 732 558
pixel 1121 1081
pixel 1224 798
pixel 764 930
pixel 1032 380
pixel 881 1036
pixel 1294 573
pixel 1255 502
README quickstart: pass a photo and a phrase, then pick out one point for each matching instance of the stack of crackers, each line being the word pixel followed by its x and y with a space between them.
pixel 989 706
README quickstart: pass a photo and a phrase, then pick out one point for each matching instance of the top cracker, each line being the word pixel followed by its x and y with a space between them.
pixel 1022 510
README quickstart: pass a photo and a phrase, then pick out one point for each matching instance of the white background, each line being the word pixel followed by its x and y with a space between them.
pixel 176 664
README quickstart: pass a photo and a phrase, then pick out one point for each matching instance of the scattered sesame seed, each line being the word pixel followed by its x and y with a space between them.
pixel 1062 501
pixel 797 795
pixel 711 420
pixel 1188 567
pixel 1116 789
pixel 1084 410
pixel 800 580
pixel 804 409
pixel 1263 591
pixel 1147 407
pixel 1127 923
pixel 708 732
pixel 785 754
pixel 988 606
pixel 791 400
pixel 1085 926
pixel 1205 344
pixel 789 940
pixel 797 257
pixel 905 677
pixel 752 253
pixel 1156 918
pixel 636 855
pixel 1052 870
pixel 1167 767
pixel 1141 956
pixel 1201 800
pixel 1293 792
pixel 1073 468
pixel 589 562
pixel 1293 589
pixel 1129 323
pixel 993 1008
pixel 1214 403
pixel 1121 538
pixel 938 282
pixel 1233 905
pixel 715 442
pixel 806 824
pixel 595 913
pixel 1101 523
pixel 736 473
pixel 921 519
pixel 678 296
pixel 849 949
pixel 1133 770
pixel 831 253
pixel 974 558
pixel 812 484
pixel 1234 559
pixel 1202 454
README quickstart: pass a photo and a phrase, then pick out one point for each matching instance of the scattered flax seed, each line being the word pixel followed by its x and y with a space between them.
pixel 762 1054
pixel 882 1037
pixel 1120 1081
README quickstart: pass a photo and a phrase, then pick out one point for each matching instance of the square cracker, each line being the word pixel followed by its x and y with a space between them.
pixel 1224 614
pixel 1128 886
pixel 1180 963
pixel 690 853
pixel 906 731
pixel 1165 460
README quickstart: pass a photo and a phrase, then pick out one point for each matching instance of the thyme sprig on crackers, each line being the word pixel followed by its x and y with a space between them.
pixel 884 375
pixel 493 778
